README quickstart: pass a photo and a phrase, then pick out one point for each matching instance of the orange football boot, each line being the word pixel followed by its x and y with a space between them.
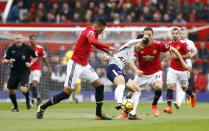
pixel 123 115
pixel 156 112
pixel 193 100
pixel 168 110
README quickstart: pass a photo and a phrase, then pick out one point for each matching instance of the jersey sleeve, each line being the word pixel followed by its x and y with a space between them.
pixel 32 52
pixel 136 54
pixel 8 54
pixel 43 53
pixel 193 47
pixel 92 40
pixel 186 48
pixel 164 47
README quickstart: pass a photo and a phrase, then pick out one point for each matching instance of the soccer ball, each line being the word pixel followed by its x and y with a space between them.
pixel 127 105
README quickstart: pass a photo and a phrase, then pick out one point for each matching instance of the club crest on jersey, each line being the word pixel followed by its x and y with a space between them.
pixel 178 47
pixel 154 51
pixel 36 51
pixel 91 33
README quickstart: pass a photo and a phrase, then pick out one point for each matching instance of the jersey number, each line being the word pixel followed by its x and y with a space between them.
pixel 123 61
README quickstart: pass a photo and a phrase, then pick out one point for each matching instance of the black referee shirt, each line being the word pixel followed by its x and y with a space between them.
pixel 21 56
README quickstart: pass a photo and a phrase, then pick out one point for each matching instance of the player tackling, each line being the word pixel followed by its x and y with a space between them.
pixel 78 67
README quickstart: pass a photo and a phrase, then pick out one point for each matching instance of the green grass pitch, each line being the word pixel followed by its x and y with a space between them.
pixel 79 117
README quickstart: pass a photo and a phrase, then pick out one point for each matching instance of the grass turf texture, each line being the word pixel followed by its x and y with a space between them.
pixel 79 117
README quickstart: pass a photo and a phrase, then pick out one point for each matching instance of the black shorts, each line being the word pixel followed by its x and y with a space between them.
pixel 17 78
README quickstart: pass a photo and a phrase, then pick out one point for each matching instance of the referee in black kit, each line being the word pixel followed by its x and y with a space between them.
pixel 18 55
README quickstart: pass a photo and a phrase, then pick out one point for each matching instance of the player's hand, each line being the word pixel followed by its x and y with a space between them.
pixel 11 61
pixel 111 53
pixel 139 73
pixel 186 66
pixel 28 64
pixel 163 63
pixel 50 70
pixel 113 49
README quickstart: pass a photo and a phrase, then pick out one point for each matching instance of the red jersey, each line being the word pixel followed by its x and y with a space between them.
pixel 149 57
pixel 84 44
pixel 183 49
pixel 41 53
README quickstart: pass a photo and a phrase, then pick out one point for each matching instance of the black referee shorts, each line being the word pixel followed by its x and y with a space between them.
pixel 17 78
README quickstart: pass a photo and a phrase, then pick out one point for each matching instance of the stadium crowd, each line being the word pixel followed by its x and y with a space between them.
pixel 115 11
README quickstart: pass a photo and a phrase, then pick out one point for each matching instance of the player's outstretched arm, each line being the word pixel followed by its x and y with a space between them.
pixel 29 64
pixel 96 43
pixel 47 64
pixel 175 51
pixel 134 68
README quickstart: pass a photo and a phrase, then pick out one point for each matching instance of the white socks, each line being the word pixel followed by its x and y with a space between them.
pixel 135 97
pixel 119 93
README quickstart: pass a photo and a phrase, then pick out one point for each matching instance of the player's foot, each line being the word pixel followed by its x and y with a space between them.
pixel 28 106
pixel 40 112
pixel 38 102
pixel 103 117
pixel 118 106
pixel 14 110
pixel 123 115
pixel 193 100
pixel 188 100
pixel 76 100
pixel 177 105
pixel 156 112
pixel 168 110
pixel 133 117
pixel 32 102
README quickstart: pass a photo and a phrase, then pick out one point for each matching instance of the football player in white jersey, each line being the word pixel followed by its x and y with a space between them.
pixel 120 80
pixel 180 94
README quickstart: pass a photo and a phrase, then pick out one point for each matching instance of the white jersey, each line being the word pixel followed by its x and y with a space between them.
pixel 192 48
pixel 125 54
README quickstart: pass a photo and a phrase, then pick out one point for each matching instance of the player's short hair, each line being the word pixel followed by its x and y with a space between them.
pixel 140 36
pixel 31 36
pixel 148 29
pixel 174 29
pixel 100 22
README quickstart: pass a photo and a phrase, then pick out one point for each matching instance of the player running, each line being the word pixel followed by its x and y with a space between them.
pixel 78 67
pixel 35 74
pixel 149 69
pixel 115 74
pixel 177 72
pixel 180 94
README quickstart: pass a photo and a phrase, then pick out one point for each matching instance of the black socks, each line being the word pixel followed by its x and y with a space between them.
pixel 156 97
pixel 14 101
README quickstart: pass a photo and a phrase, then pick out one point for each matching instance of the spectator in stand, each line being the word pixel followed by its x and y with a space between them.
pixel 179 19
pixel 147 14
pixel 76 17
pixel 25 18
pixel 14 15
pixel 166 18
pixel 100 14
pixel 186 8
pixel 198 6
pixel 63 19
pixel 116 19
pixel 50 17
pixel 199 81
pixel 156 16
pixel 55 10
pixel 175 4
pixel 205 12
pixel 79 8
pixel 192 16
pixel 162 9
pixel 203 52
pixel 88 17
pixel 66 10
pixel 40 13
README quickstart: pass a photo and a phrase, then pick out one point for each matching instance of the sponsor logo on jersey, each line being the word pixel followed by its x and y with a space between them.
pixel 148 58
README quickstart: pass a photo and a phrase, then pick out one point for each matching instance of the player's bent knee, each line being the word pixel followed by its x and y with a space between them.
pixel 119 80
pixel 24 89
pixel 170 86
pixel 96 83
pixel 158 85
pixel 185 88
pixel 11 91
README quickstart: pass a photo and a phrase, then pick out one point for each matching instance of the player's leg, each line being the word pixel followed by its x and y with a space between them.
pixel 24 87
pixel 35 80
pixel 12 85
pixel 90 75
pixel 73 72
pixel 77 91
pixel 131 85
pixel 184 84
pixel 171 83
pixel 71 97
pixel 180 95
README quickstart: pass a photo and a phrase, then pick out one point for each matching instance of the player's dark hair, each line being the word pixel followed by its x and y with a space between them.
pixel 100 22
pixel 174 29
pixel 140 36
pixel 31 36
pixel 148 29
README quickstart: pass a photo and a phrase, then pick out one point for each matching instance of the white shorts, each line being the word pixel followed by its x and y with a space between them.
pixel 146 80
pixel 35 76
pixel 75 71
pixel 181 76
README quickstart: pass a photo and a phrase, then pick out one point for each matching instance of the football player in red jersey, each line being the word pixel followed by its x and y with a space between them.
pixel 177 72
pixel 78 67
pixel 35 74
pixel 149 69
